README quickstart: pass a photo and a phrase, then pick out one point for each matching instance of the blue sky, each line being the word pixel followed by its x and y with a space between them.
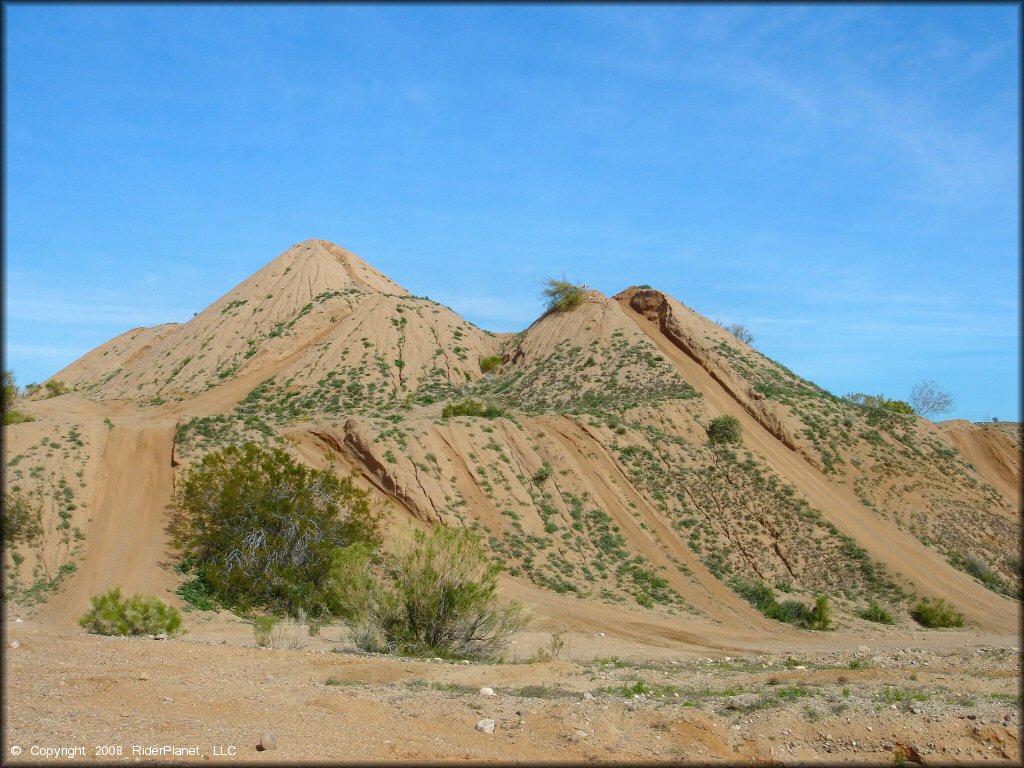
pixel 844 179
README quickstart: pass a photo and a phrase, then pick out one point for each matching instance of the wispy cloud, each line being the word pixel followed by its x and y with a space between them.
pixel 109 310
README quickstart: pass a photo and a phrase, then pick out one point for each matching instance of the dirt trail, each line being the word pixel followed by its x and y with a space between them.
pixel 711 596
pixel 125 543
pixel 992 454
pixel 899 551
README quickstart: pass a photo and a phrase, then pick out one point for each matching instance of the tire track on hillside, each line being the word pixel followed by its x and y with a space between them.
pixel 126 542
pixel 713 598
pixel 924 570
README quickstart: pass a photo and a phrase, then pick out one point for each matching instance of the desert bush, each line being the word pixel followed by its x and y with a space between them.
pixel 10 395
pixel 436 595
pixel 287 634
pixel 936 612
pixel 471 408
pixel 761 596
pixel 55 388
pixel 16 417
pixel 260 530
pixel 879 403
pixel 875 612
pixel 553 650
pixel 138 615
pixel 563 295
pixel 22 521
pixel 490 363
pixel 10 389
pixel 725 429
pixel 542 474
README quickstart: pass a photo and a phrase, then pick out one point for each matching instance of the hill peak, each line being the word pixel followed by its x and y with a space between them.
pixel 330 264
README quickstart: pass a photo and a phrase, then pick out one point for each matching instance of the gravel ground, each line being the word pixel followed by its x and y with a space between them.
pixel 119 699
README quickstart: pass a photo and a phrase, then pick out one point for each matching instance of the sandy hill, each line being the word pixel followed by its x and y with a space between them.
pixel 593 481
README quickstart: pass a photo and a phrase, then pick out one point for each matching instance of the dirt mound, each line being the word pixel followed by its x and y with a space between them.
pixel 591 475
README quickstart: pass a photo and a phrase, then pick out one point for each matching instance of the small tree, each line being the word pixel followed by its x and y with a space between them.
pixel 260 530
pixel 929 399
pixel 740 331
pixel 435 596
pixel 563 295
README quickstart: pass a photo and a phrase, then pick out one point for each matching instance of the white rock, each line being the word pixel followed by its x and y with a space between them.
pixel 17 621
pixel 581 734
pixel 485 691
pixel 15 644
pixel 485 726
pixel 464 661
pixel 599 634
pixel 588 696
pixel 268 741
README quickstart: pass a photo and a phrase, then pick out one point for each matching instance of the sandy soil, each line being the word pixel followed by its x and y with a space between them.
pixel 950 697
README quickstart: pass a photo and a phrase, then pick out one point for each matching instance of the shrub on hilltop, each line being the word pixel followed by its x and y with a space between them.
pixel 137 615
pixel 259 530
pixel 563 295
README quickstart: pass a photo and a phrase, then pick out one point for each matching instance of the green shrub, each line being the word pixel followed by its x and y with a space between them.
pixel 262 626
pixel 875 612
pixel 879 403
pixel 10 389
pixel 542 474
pixel 138 615
pixel 491 363
pixel 725 429
pixel 761 596
pixel 10 395
pixel 55 388
pixel 260 530
pixel 22 521
pixel 16 417
pixel 435 596
pixel 471 408
pixel 563 295
pixel 936 612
